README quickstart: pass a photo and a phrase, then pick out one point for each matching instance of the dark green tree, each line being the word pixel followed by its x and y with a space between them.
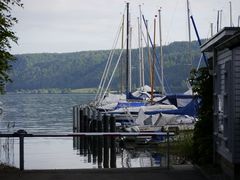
pixel 202 83
pixel 7 35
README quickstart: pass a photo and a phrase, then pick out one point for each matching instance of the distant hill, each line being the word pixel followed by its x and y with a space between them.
pixel 84 69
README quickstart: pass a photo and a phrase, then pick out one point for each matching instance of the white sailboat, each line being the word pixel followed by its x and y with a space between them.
pixel 142 107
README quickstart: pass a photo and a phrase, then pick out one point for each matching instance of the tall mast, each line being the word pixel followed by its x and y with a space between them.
pixel 121 67
pixel 148 50
pixel 217 20
pixel 211 27
pixel 161 49
pixel 130 59
pixel 153 62
pixel 141 47
pixel 189 33
pixel 220 19
pixel 238 21
pixel 230 6
pixel 127 55
pixel 139 55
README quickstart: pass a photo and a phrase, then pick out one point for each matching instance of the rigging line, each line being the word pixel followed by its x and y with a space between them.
pixel 110 62
pixel 103 76
pixel 144 38
pixel 101 85
pixel 113 48
pixel 199 62
pixel 152 47
pixel 109 82
pixel 155 68
pixel 171 22
pixel 107 67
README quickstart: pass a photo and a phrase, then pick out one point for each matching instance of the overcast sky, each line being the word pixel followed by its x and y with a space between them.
pixel 78 25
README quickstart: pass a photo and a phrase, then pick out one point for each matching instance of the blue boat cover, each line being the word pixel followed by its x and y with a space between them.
pixel 190 109
pixel 129 104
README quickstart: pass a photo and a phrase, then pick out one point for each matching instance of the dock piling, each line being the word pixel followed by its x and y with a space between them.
pixel 100 140
pixel 113 144
pixel 106 142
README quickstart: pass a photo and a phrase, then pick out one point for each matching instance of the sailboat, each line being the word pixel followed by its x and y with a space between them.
pixel 141 106
pixel 187 104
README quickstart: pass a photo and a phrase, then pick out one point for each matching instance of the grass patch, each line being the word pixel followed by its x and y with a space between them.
pixel 7 168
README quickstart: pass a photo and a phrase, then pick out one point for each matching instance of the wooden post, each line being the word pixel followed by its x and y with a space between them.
pixel 85 139
pixel 74 127
pixel 106 143
pixel 21 152
pixel 100 140
pixel 113 145
pixel 82 114
pixel 81 120
pixel 74 118
pixel 168 151
pixel 94 142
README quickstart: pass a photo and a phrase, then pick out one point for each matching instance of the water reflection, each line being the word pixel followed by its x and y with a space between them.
pixel 105 155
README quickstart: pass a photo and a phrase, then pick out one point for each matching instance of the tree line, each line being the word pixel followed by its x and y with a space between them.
pixel 84 69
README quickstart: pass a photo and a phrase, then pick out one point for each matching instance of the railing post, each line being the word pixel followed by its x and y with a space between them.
pixel 21 152
pixel 100 140
pixel 113 146
pixel 20 133
pixel 106 142
pixel 168 151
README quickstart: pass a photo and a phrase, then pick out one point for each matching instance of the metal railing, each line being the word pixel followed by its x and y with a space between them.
pixel 21 134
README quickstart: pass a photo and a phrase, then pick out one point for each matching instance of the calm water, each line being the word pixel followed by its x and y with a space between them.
pixel 40 113
pixel 52 113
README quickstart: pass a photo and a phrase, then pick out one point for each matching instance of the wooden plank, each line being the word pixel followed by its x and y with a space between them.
pixel 224 54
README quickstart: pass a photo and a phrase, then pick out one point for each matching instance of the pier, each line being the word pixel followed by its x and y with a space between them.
pixel 175 173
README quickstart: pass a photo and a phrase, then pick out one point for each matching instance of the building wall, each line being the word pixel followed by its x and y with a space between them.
pixel 223 92
pixel 236 135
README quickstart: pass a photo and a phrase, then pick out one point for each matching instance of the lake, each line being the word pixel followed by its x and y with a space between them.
pixel 52 113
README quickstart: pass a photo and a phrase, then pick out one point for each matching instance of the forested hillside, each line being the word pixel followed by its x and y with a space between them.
pixel 84 69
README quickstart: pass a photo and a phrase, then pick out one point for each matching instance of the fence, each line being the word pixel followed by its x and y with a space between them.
pixel 21 134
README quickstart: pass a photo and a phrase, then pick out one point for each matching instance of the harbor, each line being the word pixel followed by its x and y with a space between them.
pixel 144 108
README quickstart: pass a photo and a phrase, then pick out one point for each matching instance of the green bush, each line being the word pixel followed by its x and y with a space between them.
pixel 202 150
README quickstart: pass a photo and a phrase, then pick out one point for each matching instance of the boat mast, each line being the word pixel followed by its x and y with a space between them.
pixel 141 47
pixel 211 27
pixel 217 20
pixel 130 59
pixel 127 54
pixel 230 6
pixel 161 50
pixel 189 33
pixel 139 55
pixel 220 19
pixel 153 62
pixel 238 21
pixel 148 49
pixel 121 67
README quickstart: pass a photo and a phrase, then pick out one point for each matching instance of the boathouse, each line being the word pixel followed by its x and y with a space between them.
pixel 223 51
